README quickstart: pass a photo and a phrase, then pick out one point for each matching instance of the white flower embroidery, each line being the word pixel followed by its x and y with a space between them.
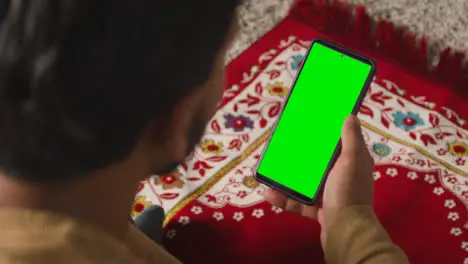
pixel 464 245
pixel 258 213
pixel 438 190
pixel 456 231
pixel 453 216
pixel 465 261
pixel 171 233
pixel 238 216
pixel 377 175
pixel 218 216
pixel 197 210
pixel 430 105
pixel 276 209
pixel 450 204
pixel 412 175
pixel 184 220
pixel 392 172
pixel 429 178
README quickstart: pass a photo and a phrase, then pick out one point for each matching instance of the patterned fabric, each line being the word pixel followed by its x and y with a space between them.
pixel 415 130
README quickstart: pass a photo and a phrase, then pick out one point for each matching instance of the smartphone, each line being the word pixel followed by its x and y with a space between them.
pixel 305 141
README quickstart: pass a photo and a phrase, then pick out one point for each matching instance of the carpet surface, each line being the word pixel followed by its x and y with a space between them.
pixel 414 124
pixel 445 23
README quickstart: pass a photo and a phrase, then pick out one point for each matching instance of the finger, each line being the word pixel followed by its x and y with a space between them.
pixel 310 212
pixel 320 217
pixel 275 198
pixel 293 206
pixel 352 140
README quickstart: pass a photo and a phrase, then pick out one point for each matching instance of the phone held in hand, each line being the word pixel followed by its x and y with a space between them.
pixel 305 140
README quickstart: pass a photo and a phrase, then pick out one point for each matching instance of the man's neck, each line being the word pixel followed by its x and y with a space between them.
pixel 103 199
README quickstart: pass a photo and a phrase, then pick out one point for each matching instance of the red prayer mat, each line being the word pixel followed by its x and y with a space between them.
pixel 414 121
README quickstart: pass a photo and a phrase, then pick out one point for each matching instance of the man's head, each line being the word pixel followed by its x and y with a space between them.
pixel 86 84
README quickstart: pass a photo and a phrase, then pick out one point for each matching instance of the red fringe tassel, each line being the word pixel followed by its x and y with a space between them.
pixel 353 26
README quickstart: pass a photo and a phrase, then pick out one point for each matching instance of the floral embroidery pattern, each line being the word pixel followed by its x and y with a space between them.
pixel 449 204
pixel 412 175
pixel 297 62
pixel 209 146
pixel 197 210
pixel 250 182
pixel 438 191
pixel 392 172
pixel 218 216
pixel 238 216
pixel 238 123
pixel 458 148
pixel 460 162
pixel 258 213
pixel 407 121
pixel 441 151
pixel 139 205
pixel 453 216
pixel 381 149
pixel 377 175
pixel 184 220
pixel 278 89
pixel 170 181
pixel 276 209
pixel 171 234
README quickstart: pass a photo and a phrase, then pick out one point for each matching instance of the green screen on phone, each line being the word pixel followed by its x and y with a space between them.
pixel 309 129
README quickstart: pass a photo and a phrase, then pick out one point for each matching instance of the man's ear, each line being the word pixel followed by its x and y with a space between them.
pixel 177 127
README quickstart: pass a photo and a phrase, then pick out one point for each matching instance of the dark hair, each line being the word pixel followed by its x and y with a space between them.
pixel 81 79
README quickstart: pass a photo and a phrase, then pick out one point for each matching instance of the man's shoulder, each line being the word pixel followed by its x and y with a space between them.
pixel 40 237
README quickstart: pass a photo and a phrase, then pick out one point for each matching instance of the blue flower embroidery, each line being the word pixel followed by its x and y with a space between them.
pixel 238 123
pixel 407 121
pixel 381 149
pixel 297 62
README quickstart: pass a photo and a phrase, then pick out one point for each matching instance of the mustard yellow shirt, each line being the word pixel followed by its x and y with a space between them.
pixel 39 237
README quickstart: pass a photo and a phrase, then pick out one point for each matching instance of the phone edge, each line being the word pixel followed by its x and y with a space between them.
pixel 336 153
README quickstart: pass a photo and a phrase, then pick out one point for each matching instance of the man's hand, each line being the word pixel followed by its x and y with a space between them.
pixel 350 181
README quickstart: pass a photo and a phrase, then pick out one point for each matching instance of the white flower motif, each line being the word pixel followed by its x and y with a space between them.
pixel 392 172
pixel 197 210
pixel 377 175
pixel 465 261
pixel 453 216
pixel 258 213
pixel 430 178
pixel 218 216
pixel 464 245
pixel 456 231
pixel 238 216
pixel 184 220
pixel 171 233
pixel 438 190
pixel 276 209
pixel 412 175
pixel 430 105
pixel 450 204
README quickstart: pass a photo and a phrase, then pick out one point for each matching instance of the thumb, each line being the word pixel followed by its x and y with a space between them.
pixel 351 138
